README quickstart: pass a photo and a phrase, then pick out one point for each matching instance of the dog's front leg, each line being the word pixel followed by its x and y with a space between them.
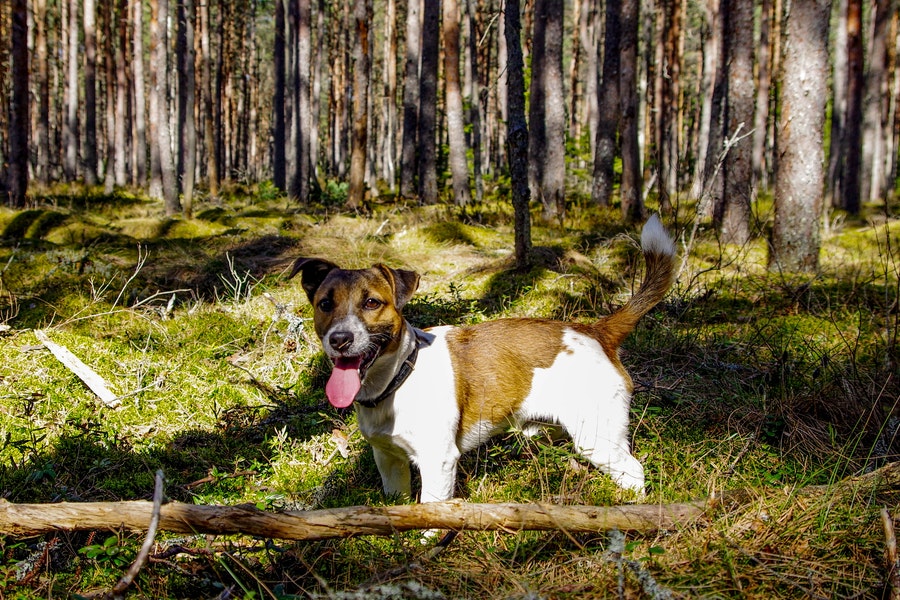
pixel 438 477
pixel 394 472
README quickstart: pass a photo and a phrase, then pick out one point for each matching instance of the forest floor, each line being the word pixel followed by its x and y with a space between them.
pixel 746 379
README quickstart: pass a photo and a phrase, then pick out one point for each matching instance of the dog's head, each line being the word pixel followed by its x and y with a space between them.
pixel 357 317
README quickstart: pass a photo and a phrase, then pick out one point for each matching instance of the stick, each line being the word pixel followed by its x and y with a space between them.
pixel 890 555
pixel 149 540
pixel 84 372
pixel 34 519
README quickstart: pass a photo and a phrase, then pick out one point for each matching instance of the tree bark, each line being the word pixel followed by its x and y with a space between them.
pixel 299 188
pixel 187 131
pixel 70 132
pixel 41 71
pixel 850 140
pixel 799 176
pixel 763 87
pixel 410 100
pixel 733 211
pixel 361 20
pixel 608 109
pixel 631 188
pixel 19 121
pixel 389 98
pixel 707 150
pixel 163 141
pixel 517 133
pixel 459 167
pixel 873 185
pixel 547 121
pixel 209 138
pixel 140 101
pixel 278 116
pixel 426 142
pixel 90 94
pixel 475 98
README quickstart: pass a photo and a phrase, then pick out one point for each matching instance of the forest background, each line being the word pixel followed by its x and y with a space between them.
pixel 164 161
pixel 694 99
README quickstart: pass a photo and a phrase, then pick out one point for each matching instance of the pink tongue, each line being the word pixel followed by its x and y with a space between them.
pixel 344 383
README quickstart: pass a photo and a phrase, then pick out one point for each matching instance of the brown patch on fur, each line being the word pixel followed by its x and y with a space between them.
pixel 348 292
pixel 494 364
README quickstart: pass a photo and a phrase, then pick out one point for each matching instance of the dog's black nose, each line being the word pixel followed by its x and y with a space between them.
pixel 340 340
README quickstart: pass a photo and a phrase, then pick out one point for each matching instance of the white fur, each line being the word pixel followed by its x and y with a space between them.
pixel 581 391
pixel 655 239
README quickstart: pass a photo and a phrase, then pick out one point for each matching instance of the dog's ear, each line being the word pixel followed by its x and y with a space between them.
pixel 313 272
pixel 402 281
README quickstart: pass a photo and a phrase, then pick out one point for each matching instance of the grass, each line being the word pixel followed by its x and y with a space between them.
pixel 746 380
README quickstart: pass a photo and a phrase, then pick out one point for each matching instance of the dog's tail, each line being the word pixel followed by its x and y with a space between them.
pixel 659 254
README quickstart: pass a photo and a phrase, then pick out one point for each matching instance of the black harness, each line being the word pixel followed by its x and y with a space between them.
pixel 402 374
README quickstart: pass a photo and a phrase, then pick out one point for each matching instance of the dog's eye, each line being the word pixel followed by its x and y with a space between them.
pixel 372 303
pixel 326 305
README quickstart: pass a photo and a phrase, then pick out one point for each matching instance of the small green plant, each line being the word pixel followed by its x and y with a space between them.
pixel 114 552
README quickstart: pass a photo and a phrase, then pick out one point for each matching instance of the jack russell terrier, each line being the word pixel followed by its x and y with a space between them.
pixel 429 396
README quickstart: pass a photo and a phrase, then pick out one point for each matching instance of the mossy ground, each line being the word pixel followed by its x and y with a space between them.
pixel 746 379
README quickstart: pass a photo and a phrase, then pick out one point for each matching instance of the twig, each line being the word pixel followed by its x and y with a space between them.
pixel 890 555
pixel 90 377
pixel 149 540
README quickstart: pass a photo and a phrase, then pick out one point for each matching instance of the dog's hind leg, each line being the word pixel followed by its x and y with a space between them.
pixel 394 470
pixel 610 456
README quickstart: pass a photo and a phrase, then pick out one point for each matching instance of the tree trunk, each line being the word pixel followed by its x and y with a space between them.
pixel 763 87
pixel 107 19
pixel 850 140
pixel 799 177
pixel 140 102
pixel 459 167
pixel 410 100
pixel 547 119
pixel 278 120
pixel 426 138
pixel 590 41
pixel 19 122
pixel 707 151
pixel 321 51
pixel 187 130
pixel 389 99
pixel 517 133
pixel 872 172
pixel 70 133
pixel 631 188
pixel 579 16
pixel 40 69
pixel 299 188
pixel 209 138
pixel 733 214
pixel 90 94
pixel 475 98
pixel 608 109
pixel 361 19
pixel 160 77
pixel 502 111
pixel 669 111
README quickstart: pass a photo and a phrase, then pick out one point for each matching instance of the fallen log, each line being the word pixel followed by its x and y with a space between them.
pixel 177 517
pixel 881 485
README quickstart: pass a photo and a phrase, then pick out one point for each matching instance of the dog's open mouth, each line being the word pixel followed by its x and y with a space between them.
pixel 346 379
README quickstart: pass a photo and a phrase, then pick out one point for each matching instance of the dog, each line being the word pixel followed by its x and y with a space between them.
pixel 428 396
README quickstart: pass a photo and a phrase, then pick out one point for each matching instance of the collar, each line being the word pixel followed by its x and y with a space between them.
pixel 402 374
